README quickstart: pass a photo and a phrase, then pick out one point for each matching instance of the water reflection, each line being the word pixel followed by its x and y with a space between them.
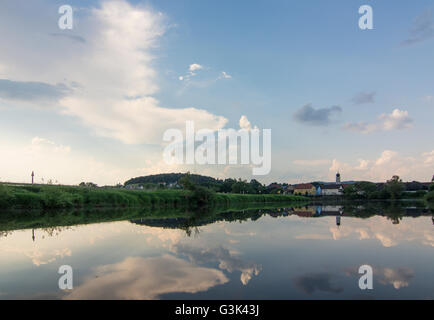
pixel 306 252
pixel 309 283
pixel 146 278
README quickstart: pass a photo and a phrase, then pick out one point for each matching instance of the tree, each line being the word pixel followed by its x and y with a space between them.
pixel 226 186
pixel 199 195
pixel 186 182
pixel 256 186
pixel 88 184
pixel 394 187
pixel 242 187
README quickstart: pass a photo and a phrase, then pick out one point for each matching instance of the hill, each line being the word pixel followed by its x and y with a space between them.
pixel 173 178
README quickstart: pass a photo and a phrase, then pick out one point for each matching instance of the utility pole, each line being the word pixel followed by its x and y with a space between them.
pixel 33 175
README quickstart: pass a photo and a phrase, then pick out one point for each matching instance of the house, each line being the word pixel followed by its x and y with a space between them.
pixel 332 190
pixel 288 190
pixel 305 189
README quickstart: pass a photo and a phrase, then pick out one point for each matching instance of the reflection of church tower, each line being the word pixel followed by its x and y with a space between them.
pixel 338 221
pixel 33 234
pixel 338 177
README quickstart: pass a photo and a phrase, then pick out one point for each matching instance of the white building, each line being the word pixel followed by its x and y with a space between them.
pixel 332 190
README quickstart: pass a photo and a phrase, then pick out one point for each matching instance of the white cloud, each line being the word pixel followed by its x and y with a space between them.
pixel 194 67
pixel 245 123
pixel 42 144
pixel 115 71
pixel 224 75
pixel 389 163
pixel 386 157
pixel 397 120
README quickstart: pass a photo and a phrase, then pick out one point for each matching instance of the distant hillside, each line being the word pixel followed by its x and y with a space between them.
pixel 172 178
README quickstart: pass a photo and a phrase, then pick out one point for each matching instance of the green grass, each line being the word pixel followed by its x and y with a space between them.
pixel 43 197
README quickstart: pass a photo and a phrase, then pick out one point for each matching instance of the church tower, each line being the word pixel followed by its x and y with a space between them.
pixel 338 177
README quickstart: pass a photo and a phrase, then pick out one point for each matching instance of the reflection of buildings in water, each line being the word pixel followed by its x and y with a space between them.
pixel 33 234
pixel 330 210
pixel 305 211
pixel 338 220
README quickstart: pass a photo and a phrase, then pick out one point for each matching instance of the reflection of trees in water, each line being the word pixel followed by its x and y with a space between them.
pixel 189 230
pixel 55 231
pixel 395 212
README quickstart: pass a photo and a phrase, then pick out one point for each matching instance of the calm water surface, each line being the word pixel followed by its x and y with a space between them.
pixel 304 253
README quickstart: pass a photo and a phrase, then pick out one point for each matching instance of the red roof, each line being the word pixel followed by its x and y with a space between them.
pixel 304 186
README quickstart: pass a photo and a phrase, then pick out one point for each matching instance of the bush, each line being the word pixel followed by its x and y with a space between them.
pixel 430 196
pixel 202 196
pixel 5 197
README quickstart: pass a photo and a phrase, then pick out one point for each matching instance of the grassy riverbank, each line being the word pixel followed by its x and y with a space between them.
pixel 45 197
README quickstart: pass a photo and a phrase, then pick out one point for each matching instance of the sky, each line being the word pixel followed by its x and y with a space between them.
pixel 92 103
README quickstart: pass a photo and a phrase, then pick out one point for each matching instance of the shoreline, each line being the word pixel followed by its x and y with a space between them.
pixel 47 197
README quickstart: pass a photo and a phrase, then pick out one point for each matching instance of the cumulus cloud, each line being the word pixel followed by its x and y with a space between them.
pixel 245 123
pixel 194 67
pixel 397 120
pixel 115 71
pixel 364 98
pixel 389 163
pixel 189 78
pixel 422 28
pixel 318 117
pixel 192 72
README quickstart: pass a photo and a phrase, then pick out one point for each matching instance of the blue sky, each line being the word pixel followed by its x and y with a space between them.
pixel 337 98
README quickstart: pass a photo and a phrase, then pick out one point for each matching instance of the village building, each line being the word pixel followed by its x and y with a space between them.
pixel 332 190
pixel 288 190
pixel 305 189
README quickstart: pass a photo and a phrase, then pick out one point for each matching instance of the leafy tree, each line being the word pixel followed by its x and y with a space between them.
pixel 242 187
pixel 200 196
pixel 5 196
pixel 226 186
pixel 186 182
pixel 256 186
pixel 88 184
pixel 394 187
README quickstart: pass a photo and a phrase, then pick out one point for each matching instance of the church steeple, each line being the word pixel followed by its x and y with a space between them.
pixel 338 177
